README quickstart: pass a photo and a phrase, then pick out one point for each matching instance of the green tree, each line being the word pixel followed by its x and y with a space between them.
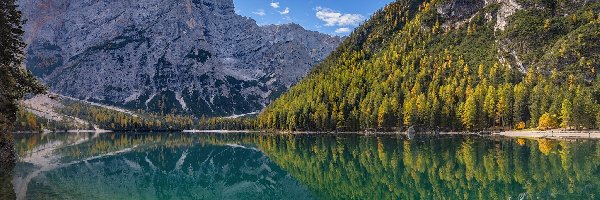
pixel 469 113
pixel 583 109
pixel 503 108
pixel 520 104
pixel 383 120
pixel 566 112
pixel 409 109
pixel 598 118
pixel 15 81
pixel 489 106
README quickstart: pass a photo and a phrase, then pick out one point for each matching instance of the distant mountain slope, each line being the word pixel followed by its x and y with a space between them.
pixel 455 65
pixel 177 56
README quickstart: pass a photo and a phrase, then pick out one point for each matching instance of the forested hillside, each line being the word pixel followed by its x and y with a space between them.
pixel 455 65
pixel 69 114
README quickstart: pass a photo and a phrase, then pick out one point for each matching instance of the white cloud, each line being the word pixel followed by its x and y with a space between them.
pixel 343 30
pixel 260 12
pixel 275 4
pixel 285 11
pixel 335 18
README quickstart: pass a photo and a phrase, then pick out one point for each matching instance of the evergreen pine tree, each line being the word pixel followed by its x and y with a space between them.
pixel 566 112
pixel 469 113
pixel 15 82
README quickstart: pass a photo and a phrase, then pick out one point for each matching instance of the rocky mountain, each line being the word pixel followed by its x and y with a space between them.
pixel 184 56
pixel 455 65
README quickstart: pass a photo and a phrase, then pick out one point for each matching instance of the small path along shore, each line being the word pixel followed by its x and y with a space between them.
pixel 554 134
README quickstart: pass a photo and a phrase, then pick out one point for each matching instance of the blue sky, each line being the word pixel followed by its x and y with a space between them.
pixel 335 17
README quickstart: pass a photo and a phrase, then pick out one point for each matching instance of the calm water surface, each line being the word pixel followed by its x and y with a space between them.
pixel 264 166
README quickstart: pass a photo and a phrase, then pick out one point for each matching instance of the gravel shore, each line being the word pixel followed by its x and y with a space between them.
pixel 555 134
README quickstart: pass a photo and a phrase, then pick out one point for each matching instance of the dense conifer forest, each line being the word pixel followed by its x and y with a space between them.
pixel 410 66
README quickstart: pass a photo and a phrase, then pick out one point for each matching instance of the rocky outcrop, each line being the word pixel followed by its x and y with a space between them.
pixel 456 13
pixel 183 56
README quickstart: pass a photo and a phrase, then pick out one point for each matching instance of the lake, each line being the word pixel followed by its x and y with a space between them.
pixel 269 166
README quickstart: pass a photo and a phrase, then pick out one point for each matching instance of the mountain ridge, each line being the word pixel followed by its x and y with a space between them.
pixel 188 57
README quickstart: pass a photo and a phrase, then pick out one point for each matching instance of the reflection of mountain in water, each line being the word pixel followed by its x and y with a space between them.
pixel 214 166
pixel 198 171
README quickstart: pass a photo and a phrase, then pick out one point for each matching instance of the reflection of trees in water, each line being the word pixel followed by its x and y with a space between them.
pixel 28 143
pixel 94 145
pixel 450 168
pixel 387 167
pixel 7 164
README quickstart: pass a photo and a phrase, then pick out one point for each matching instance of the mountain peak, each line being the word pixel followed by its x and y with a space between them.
pixel 178 56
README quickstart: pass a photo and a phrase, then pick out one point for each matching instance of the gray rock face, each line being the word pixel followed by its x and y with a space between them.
pixel 456 13
pixel 183 56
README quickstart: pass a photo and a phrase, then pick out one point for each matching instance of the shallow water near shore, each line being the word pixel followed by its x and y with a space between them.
pixel 273 166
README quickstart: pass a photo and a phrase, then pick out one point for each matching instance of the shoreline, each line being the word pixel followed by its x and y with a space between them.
pixel 536 134
pixel 551 134
pixel 220 131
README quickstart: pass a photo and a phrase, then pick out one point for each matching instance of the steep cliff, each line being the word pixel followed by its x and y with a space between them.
pixel 184 56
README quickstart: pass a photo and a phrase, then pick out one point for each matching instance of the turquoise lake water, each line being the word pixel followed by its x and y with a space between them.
pixel 269 166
